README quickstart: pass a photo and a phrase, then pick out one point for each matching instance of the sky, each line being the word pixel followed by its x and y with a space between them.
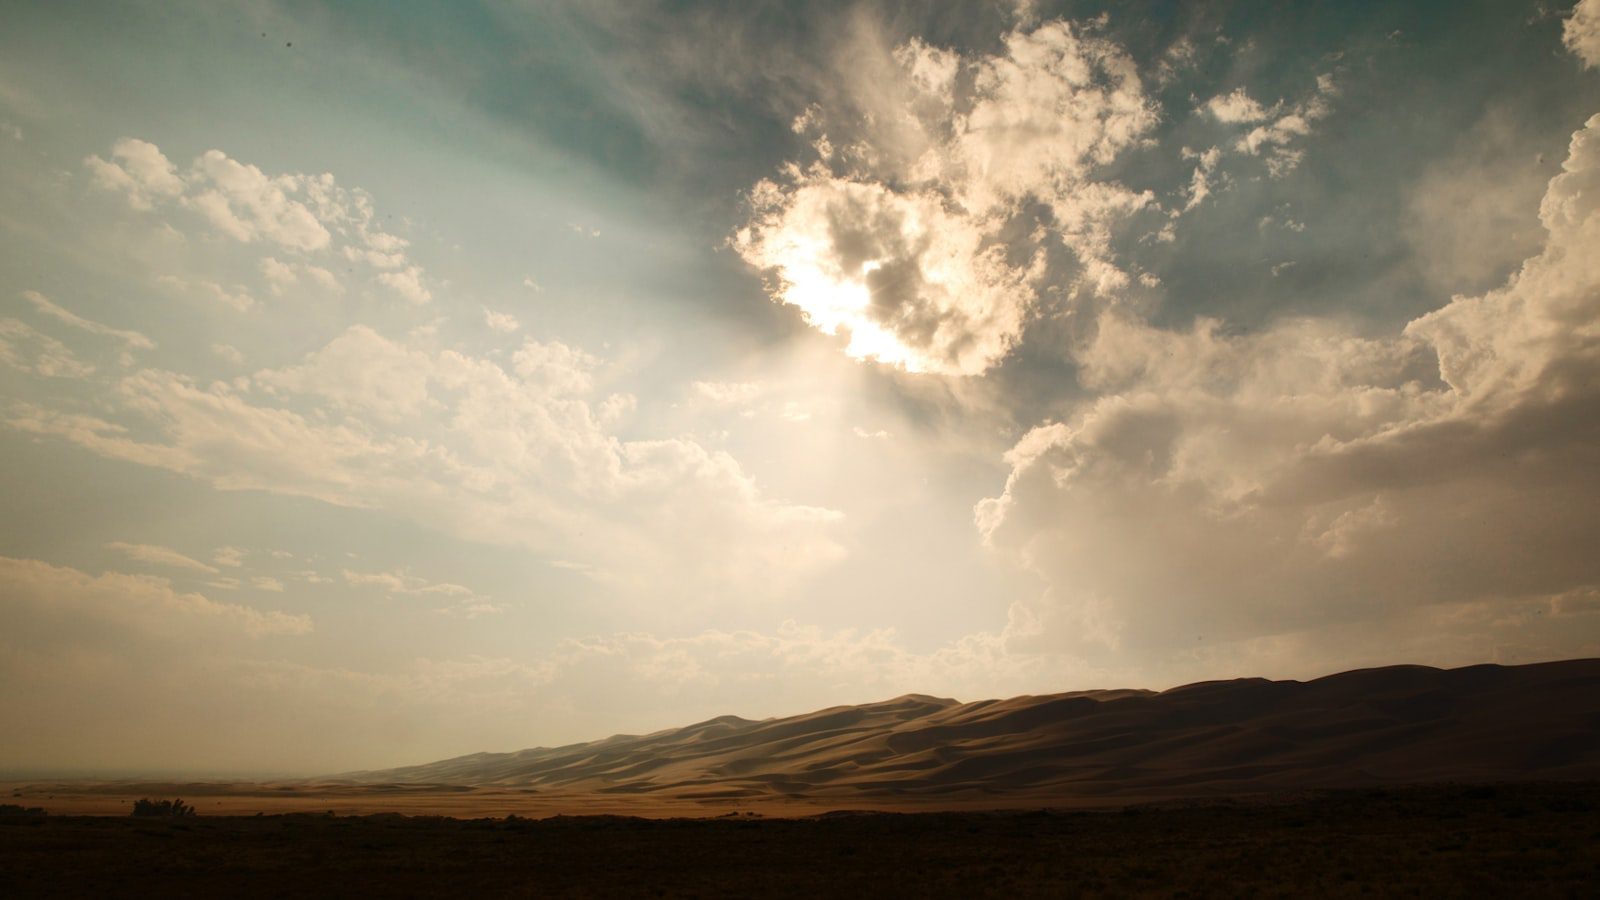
pixel 386 382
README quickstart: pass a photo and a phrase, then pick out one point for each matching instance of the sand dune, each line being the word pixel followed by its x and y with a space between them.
pixel 1369 727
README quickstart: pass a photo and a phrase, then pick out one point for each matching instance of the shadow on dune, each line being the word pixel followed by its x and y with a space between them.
pixel 1375 726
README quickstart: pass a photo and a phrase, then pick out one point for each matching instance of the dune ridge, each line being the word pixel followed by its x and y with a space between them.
pixel 1398 724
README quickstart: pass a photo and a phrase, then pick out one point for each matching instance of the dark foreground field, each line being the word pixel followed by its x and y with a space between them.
pixel 1504 840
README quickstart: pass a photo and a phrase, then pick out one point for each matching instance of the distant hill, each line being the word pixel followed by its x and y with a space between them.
pixel 1400 724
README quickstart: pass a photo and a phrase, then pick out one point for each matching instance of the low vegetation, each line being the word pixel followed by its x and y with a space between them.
pixel 12 809
pixel 162 809
pixel 1443 841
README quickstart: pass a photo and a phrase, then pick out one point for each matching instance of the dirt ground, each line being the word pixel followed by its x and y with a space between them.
pixel 1538 840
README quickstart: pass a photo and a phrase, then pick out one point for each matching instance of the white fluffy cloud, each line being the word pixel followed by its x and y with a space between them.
pixel 305 216
pixel 1303 479
pixel 1236 107
pixel 139 170
pixel 502 322
pixel 1581 32
pixel 241 201
pixel 282 276
pixel 1281 127
pixel 902 235
pixel 507 456
pixel 408 284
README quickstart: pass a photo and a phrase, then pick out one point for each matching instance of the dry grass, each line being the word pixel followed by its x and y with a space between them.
pixel 1540 840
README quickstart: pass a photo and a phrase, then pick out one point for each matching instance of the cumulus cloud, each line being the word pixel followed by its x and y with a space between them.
pixel 360 371
pixel 281 276
pixel 243 202
pixel 1204 177
pixel 139 170
pixel 301 215
pixel 408 284
pixel 903 235
pixel 508 456
pixel 236 299
pixel 1275 139
pixel 503 322
pixel 1237 107
pixel 1581 32
pixel 1296 481
pixel 1274 132
pixel 909 282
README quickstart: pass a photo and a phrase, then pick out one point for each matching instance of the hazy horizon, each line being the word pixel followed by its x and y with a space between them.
pixel 382 386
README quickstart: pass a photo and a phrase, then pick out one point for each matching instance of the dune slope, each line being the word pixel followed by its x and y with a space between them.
pixel 1368 727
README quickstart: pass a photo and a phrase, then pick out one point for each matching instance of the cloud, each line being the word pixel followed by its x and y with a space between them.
pixel 517 456
pixel 1205 173
pixel 237 299
pixel 727 393
pixel 408 284
pixel 908 282
pixel 503 322
pixel 1237 107
pixel 1581 32
pixel 241 201
pixel 1273 140
pixel 401 582
pixel 160 556
pixel 112 684
pixel 903 236
pixel 121 671
pixel 281 276
pixel 360 371
pixel 139 170
pixel 1276 130
pixel 462 600
pixel 133 339
pixel 302 215
pixel 26 349
pixel 1301 483
pixel 135 602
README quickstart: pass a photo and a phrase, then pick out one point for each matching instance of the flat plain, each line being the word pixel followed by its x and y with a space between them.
pixel 1442 840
